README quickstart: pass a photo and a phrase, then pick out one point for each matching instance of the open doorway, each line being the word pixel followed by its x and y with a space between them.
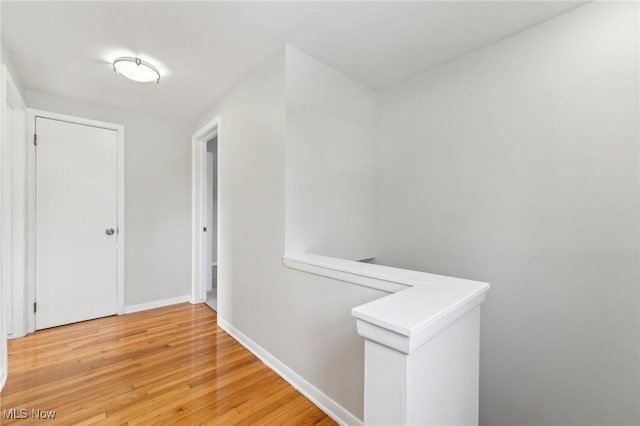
pixel 206 231
pixel 212 224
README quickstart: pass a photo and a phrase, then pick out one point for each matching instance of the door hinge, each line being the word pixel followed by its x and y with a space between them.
pixel 35 139
pixel 35 307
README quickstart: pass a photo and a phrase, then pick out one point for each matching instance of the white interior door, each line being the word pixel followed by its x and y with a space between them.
pixel 210 225
pixel 76 212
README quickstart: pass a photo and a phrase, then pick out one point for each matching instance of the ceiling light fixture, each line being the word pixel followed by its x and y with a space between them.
pixel 136 69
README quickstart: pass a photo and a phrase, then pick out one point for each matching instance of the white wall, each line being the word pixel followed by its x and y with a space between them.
pixel 301 319
pixel 331 123
pixel 157 197
pixel 331 161
pixel 3 297
pixel 518 165
pixel 12 203
pixel 251 195
pixel 14 129
pixel 6 60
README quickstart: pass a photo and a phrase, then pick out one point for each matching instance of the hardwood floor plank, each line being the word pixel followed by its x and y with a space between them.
pixel 165 366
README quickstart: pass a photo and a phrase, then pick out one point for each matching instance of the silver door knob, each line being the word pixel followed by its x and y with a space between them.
pixel 110 231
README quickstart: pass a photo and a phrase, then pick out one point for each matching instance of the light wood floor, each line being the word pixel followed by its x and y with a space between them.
pixel 165 366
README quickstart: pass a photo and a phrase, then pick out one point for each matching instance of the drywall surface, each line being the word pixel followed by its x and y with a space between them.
pixel 251 198
pixel 157 197
pixel 331 161
pixel 302 319
pixel 518 165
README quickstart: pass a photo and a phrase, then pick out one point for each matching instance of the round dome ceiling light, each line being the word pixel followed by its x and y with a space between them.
pixel 136 69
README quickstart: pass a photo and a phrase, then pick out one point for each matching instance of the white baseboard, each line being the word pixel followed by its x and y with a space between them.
pixel 15 335
pixel 157 304
pixel 334 410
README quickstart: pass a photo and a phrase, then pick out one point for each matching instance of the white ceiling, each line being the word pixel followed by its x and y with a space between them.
pixel 204 47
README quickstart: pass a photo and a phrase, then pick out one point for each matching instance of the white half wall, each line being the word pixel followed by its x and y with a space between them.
pixel 518 165
pixel 157 197
pixel 331 161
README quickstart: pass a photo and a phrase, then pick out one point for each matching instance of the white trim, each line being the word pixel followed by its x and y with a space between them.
pixel 157 304
pixel 199 209
pixel 334 410
pixel 3 378
pixel 18 158
pixel 31 285
pixel 5 224
pixel 349 275
pixel 379 277
pixel 31 220
pixel 421 304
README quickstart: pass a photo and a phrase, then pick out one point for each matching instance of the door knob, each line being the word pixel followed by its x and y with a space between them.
pixel 110 231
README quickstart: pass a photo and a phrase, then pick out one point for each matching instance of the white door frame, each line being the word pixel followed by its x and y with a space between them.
pixel 14 192
pixel 12 111
pixel 199 209
pixel 31 207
